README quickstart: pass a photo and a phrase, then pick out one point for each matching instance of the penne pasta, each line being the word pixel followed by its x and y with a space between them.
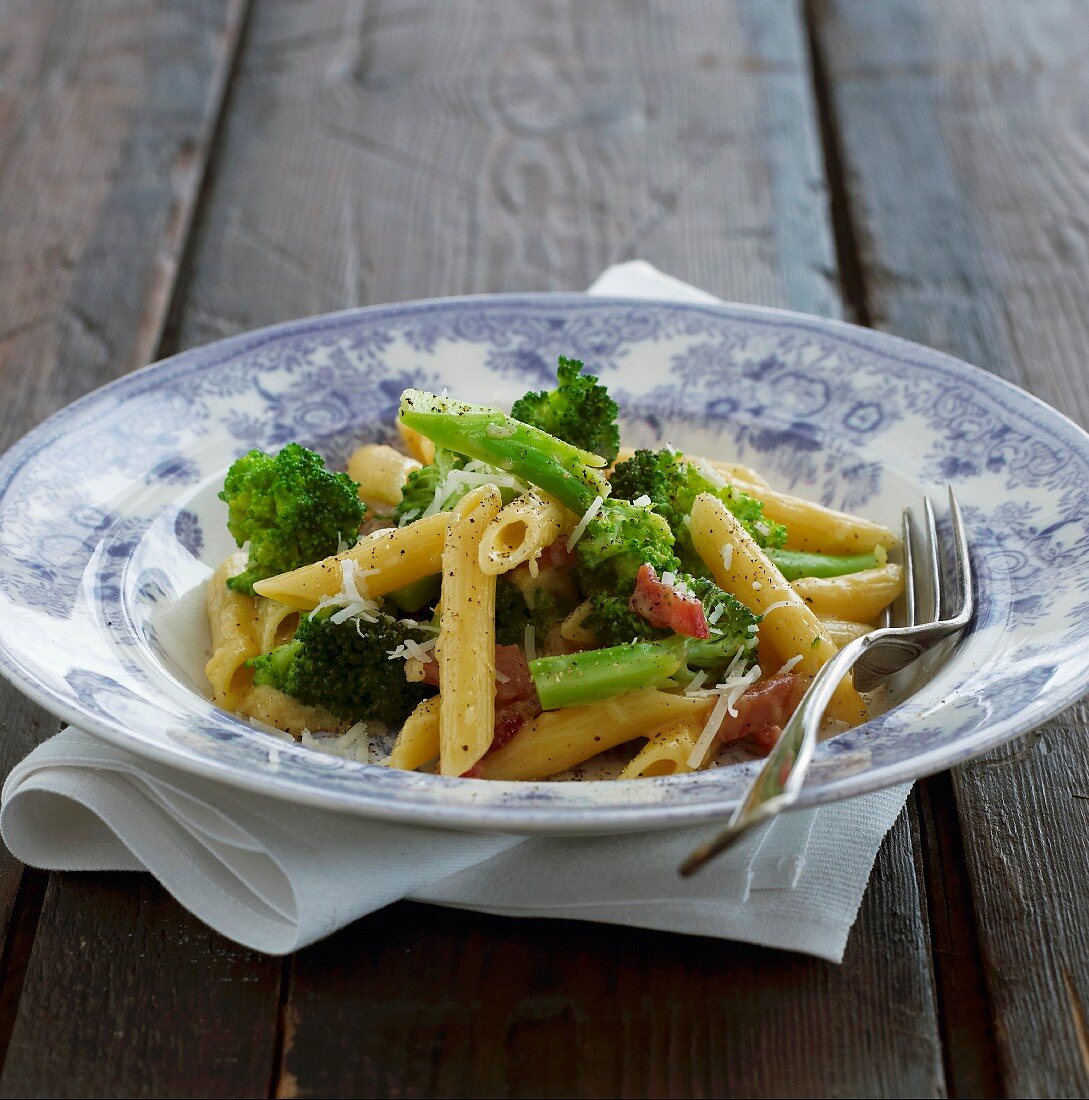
pixel 521 531
pixel 466 649
pixel 232 617
pixel 418 742
pixel 381 472
pixel 666 753
pixel 274 708
pixel 561 739
pixel 276 623
pixel 811 526
pixel 390 558
pixel 855 597
pixel 789 626
pixel 842 632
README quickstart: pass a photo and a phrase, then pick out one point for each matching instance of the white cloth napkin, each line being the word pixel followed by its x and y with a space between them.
pixel 276 877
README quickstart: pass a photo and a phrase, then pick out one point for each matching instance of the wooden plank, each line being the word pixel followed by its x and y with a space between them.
pixel 106 118
pixel 391 152
pixel 387 152
pixel 454 1004
pixel 963 136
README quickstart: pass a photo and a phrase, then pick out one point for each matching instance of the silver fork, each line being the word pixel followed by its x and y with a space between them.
pixel 928 613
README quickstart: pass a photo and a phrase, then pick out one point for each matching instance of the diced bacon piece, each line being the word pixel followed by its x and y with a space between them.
pixel 430 670
pixel 516 701
pixel 663 605
pixel 763 711
pixel 510 662
pixel 556 555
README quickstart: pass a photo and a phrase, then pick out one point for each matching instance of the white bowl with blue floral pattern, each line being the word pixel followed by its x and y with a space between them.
pixel 110 526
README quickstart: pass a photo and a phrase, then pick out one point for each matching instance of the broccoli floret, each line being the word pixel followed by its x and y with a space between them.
pixel 614 623
pixel 419 489
pixel 290 509
pixel 579 411
pixel 617 541
pixel 732 628
pixel 656 657
pixel 513 614
pixel 346 668
pixel 490 436
pixel 673 484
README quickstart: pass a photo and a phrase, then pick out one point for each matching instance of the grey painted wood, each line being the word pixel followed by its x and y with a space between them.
pixel 382 152
pixel 106 117
pixel 964 135
pixel 377 153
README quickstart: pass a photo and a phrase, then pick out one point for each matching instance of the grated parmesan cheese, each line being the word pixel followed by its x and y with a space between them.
pixel 582 524
pixel 789 664
pixel 352 601
pixel 729 691
pixel 775 607
pixel 642 502
pixel 710 473
pixel 419 651
pixel 727 556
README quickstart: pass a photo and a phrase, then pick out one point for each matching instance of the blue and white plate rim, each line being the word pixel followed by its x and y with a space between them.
pixel 527 817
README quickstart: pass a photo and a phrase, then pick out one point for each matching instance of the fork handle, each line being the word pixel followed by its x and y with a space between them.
pixel 778 782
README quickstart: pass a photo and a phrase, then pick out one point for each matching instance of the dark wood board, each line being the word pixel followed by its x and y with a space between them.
pixel 107 113
pixel 963 131
pixel 383 152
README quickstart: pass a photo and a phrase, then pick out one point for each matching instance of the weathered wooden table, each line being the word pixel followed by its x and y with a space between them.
pixel 171 173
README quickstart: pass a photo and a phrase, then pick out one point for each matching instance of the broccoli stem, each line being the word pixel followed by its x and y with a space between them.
pixel 416 594
pixel 798 563
pixel 490 435
pixel 595 674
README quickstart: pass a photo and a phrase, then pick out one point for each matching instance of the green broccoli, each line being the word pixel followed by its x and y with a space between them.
pixel 346 667
pixel 617 541
pixel 672 484
pixel 290 509
pixel 573 476
pixel 614 623
pixel 419 489
pixel 513 614
pixel 577 678
pixel 618 538
pixel 579 411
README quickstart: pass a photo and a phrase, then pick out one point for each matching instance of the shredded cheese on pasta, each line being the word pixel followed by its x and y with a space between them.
pixel 582 524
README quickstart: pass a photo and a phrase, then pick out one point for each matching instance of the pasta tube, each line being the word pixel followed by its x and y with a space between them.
pixel 741 568
pixel 666 753
pixel 390 559
pixel 232 617
pixel 842 632
pixel 381 472
pixel 560 739
pixel 418 741
pixel 521 531
pixel 856 597
pixel 466 648
pixel 813 527
pixel 276 623
pixel 271 706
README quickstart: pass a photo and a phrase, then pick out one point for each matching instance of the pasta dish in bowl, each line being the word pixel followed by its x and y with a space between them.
pixel 528 595
pixel 570 580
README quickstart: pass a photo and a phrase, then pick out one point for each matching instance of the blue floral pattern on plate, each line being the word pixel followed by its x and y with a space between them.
pixel 109 525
